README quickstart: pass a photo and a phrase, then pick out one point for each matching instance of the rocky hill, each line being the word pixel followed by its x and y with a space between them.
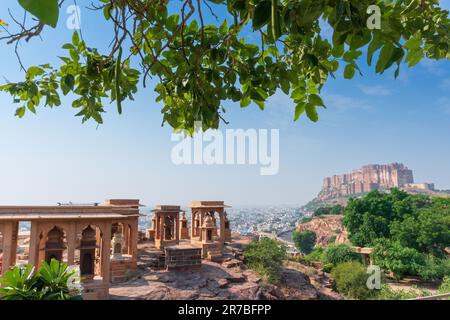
pixel 337 189
pixel 366 179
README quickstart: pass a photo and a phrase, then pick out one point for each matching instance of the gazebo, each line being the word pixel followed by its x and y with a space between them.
pixel 207 211
pixel 166 225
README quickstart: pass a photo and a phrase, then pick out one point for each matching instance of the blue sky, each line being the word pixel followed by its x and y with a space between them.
pixel 51 156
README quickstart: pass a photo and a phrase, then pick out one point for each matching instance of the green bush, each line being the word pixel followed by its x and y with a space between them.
pixel 305 220
pixel 327 267
pixel 333 210
pixel 304 241
pixel 434 268
pixel 339 253
pixel 315 256
pixel 387 293
pixel 50 282
pixel 445 285
pixel 265 257
pixel 393 257
pixel 350 279
pixel 332 239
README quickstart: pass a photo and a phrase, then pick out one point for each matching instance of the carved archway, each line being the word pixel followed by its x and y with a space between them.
pixel 88 247
pixel 169 228
pixel 55 244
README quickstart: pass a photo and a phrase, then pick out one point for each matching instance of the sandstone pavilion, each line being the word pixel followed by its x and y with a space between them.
pixel 102 238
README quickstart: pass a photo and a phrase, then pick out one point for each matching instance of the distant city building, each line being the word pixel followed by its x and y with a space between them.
pixel 420 186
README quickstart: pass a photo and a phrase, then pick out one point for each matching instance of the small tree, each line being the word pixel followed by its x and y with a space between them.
pixel 304 241
pixel 54 281
pixel 265 256
pixel 392 256
pixel 350 278
pixel 335 254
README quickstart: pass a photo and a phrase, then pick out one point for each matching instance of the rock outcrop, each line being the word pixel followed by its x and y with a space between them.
pixel 326 227
pixel 228 279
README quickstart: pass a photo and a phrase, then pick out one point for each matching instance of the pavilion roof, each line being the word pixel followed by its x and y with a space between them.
pixel 167 208
pixel 209 204
pixel 62 216
pixel 66 212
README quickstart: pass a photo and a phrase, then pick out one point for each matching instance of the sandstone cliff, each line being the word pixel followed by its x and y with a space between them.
pixel 326 227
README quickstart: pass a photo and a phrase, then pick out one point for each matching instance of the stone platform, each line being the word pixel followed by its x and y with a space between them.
pixel 183 257
pixel 95 289
pixel 122 269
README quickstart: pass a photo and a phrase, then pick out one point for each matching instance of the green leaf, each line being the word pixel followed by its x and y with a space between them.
pixel 414 42
pixel 260 104
pixel 68 46
pixel 262 13
pixel 245 101
pixel 20 112
pixel 275 20
pixel 413 57
pixel 31 107
pixel 75 38
pixel 351 55
pixel 384 58
pixel 285 85
pixel 373 47
pixel 47 11
pixel 223 29
pixel 349 71
pixel 67 83
pixel 107 11
pixel 298 93
pixel 316 100
pixel 172 22
pixel 97 117
pixel 311 112
pixel 32 72
pixel 258 94
pixel 338 51
pixel 299 109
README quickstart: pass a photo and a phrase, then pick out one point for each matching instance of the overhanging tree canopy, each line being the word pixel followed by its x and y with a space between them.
pixel 200 65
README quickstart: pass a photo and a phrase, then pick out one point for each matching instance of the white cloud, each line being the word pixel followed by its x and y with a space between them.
pixel 375 90
pixel 345 103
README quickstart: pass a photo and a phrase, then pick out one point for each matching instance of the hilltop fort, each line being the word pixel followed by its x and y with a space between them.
pixel 368 178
